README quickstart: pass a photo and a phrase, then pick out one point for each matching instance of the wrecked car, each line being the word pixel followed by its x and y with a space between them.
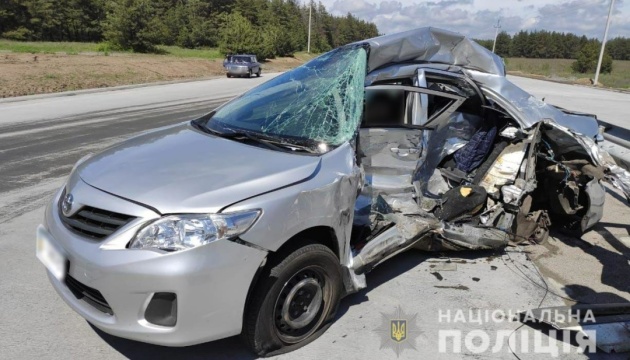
pixel 257 218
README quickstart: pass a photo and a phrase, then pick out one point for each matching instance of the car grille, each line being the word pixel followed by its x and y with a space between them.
pixel 90 295
pixel 95 223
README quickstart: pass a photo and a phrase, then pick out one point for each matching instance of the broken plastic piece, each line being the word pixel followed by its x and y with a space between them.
pixel 505 168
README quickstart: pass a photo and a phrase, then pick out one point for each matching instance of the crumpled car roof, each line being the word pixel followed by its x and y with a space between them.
pixel 429 44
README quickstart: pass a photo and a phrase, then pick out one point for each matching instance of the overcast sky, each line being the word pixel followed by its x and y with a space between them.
pixel 476 18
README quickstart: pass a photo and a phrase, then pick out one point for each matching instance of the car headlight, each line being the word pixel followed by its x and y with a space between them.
pixel 180 232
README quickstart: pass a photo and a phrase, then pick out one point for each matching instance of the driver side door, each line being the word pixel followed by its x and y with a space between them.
pixel 396 115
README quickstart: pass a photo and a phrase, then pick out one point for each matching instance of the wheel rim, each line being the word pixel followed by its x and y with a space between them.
pixel 301 304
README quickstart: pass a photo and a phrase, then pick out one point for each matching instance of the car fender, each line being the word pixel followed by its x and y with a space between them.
pixel 327 199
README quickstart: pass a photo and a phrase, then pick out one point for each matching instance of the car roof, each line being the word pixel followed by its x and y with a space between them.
pixel 432 45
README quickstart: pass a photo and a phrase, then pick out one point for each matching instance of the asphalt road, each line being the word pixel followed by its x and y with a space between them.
pixel 42 137
pixel 610 106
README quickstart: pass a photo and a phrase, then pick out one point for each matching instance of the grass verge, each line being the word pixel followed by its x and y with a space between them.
pixel 560 69
pixel 28 68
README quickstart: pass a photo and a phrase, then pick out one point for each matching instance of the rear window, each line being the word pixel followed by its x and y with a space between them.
pixel 240 59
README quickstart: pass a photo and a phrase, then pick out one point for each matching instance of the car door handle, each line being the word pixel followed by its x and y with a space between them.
pixel 405 151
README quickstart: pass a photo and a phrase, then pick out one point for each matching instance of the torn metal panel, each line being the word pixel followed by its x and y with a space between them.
pixel 526 109
pixel 432 45
pixel 620 178
pixel 404 234
pixel 470 237
pixel 616 175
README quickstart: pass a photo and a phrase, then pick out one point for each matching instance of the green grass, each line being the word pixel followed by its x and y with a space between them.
pixel 47 47
pixel 560 69
pixel 75 48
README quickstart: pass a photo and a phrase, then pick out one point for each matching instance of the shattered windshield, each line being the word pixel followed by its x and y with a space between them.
pixel 318 102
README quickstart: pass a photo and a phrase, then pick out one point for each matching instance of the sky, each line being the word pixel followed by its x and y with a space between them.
pixel 477 18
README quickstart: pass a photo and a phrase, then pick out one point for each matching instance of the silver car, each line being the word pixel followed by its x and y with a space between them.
pixel 257 218
pixel 241 65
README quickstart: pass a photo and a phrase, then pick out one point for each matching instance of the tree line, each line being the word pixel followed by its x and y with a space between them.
pixel 266 28
pixel 556 45
pixel 553 45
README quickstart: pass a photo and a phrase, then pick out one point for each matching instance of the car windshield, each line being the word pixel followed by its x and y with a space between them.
pixel 318 102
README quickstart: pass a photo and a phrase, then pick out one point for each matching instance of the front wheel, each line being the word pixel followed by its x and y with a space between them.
pixel 249 73
pixel 294 301
pixel 258 73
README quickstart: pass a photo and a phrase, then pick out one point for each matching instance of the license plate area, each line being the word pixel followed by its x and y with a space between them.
pixel 51 257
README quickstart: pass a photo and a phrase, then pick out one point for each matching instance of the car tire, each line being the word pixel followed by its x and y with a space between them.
pixel 294 301
pixel 258 73
pixel 228 75
pixel 249 74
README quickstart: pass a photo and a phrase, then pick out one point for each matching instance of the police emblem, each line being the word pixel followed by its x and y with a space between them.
pixel 398 331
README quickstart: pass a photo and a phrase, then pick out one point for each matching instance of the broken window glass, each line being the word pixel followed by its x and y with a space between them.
pixel 318 102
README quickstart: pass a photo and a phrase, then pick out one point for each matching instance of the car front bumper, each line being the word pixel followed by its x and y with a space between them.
pixel 211 283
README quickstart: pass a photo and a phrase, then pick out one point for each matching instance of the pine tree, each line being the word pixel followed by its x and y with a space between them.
pixel 587 60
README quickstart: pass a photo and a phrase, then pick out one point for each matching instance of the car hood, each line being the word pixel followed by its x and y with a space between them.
pixel 182 170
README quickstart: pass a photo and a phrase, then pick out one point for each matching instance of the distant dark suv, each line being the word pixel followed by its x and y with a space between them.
pixel 241 65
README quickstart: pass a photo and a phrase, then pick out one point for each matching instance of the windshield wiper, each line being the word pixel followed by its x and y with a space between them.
pixel 270 143
pixel 245 135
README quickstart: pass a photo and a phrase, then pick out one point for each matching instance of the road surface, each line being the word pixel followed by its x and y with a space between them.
pixel 42 137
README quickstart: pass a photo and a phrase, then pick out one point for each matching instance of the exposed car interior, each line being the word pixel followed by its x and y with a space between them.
pixel 446 168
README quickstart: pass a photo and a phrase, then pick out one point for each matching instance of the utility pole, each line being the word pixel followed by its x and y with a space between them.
pixel 496 34
pixel 601 53
pixel 310 10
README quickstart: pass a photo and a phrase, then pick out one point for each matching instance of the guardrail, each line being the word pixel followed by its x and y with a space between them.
pixel 616 143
